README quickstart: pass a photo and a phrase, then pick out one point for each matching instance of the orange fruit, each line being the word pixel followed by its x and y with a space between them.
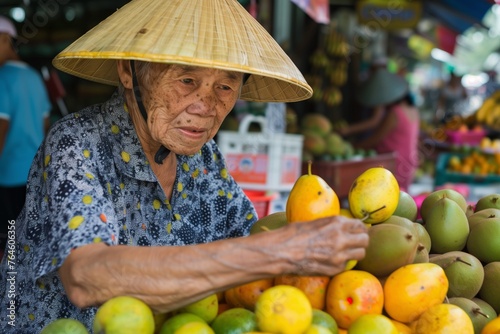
pixel 313 286
pixel 443 319
pixel 178 320
pixel 492 327
pixel 195 328
pixel 317 329
pixel 412 289
pixel 346 213
pixel 351 294
pixel 223 307
pixel 402 328
pixel 372 324
pixel 283 309
pixel 246 295
pixel 124 315
pixel 311 198
pixel 206 308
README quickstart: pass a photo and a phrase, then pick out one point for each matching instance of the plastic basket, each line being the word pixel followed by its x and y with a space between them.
pixel 261 201
pixel 443 175
pixel 262 160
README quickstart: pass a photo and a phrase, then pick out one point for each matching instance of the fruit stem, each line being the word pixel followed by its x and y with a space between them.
pixel 459 259
pixel 369 213
pixel 478 311
pixel 309 164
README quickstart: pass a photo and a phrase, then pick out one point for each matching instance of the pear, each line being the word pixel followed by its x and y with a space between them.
pixel 483 214
pixel 422 254
pixel 473 310
pixel 483 241
pixel 311 198
pixel 270 222
pixel 490 290
pixel 465 273
pixel 433 197
pixel 485 307
pixel 423 236
pixel 488 202
pixel 374 195
pixel 407 207
pixel 470 210
pixel 401 221
pixel 447 226
pixel 391 247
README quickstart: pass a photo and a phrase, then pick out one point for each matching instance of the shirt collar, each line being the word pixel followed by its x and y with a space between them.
pixel 126 148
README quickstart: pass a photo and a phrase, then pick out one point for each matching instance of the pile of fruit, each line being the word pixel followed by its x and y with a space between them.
pixel 489 112
pixel 329 69
pixel 476 162
pixel 323 142
pixel 431 275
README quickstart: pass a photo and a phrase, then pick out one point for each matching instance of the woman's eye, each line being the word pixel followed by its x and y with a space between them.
pixel 187 81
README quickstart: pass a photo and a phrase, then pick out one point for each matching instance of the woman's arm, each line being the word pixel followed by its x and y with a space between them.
pixel 387 125
pixel 169 277
pixel 4 127
pixel 369 124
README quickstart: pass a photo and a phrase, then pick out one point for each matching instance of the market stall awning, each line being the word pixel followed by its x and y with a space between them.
pixel 457 15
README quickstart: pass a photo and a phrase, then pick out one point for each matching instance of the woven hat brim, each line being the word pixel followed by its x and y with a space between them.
pixel 208 33
pixel 382 88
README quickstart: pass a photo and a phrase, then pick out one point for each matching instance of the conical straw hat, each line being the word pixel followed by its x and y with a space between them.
pixel 382 88
pixel 209 33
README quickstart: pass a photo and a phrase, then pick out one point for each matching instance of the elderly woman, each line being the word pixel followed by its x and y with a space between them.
pixel 132 197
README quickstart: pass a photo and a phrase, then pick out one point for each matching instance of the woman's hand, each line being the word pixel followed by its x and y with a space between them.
pixel 323 246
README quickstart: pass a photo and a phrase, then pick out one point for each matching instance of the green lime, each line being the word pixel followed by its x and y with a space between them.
pixel 235 321
pixel 177 321
pixel 65 326
pixel 324 319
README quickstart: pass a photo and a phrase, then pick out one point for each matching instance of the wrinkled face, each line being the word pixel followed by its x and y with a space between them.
pixel 186 105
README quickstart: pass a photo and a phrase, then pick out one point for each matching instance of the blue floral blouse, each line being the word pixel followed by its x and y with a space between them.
pixel 90 182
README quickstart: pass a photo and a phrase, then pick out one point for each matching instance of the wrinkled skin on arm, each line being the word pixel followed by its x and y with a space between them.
pixel 320 247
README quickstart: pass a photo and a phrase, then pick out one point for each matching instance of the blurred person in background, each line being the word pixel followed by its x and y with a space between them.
pixel 398 127
pixel 451 96
pixel 371 117
pixel 24 120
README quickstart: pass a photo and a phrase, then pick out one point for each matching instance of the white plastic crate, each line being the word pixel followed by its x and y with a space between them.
pixel 262 160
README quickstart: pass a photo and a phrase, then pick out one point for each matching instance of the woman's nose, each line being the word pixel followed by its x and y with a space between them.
pixel 205 103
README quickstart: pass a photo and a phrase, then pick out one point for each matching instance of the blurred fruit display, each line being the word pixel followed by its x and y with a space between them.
pixel 329 68
pixel 489 112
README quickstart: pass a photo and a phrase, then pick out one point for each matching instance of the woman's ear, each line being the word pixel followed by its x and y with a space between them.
pixel 124 73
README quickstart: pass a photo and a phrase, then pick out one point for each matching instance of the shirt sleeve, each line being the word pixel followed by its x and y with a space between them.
pixel 5 103
pixel 74 202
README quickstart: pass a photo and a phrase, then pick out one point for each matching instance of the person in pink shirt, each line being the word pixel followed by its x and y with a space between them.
pixel 398 132
pixel 394 125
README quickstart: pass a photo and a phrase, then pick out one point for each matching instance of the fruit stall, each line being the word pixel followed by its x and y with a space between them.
pixel 432 268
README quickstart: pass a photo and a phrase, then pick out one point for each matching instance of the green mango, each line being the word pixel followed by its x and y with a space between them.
pixel 464 271
pixel 447 226
pixel 435 196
